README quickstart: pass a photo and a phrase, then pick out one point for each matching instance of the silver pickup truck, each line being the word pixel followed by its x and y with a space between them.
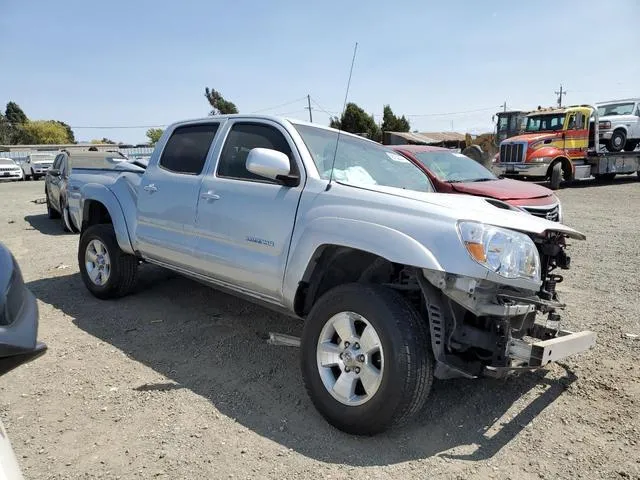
pixel 396 284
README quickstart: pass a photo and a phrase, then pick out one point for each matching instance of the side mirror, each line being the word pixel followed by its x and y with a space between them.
pixel 271 164
pixel 55 172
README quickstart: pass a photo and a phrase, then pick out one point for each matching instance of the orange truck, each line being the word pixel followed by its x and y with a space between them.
pixel 557 144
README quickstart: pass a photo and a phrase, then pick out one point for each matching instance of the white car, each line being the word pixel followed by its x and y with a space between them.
pixel 620 124
pixel 37 164
pixel 10 170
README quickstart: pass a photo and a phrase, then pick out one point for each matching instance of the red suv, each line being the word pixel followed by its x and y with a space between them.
pixel 452 172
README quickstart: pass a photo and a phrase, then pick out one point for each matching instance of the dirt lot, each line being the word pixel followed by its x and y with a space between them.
pixel 176 380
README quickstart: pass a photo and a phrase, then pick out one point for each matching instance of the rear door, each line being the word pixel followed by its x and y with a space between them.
pixel 244 222
pixel 168 195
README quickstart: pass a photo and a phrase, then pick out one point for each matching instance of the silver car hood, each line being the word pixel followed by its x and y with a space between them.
pixel 479 209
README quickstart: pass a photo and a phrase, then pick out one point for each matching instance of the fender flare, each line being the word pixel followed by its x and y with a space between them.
pixel 93 192
pixel 379 240
pixel 566 164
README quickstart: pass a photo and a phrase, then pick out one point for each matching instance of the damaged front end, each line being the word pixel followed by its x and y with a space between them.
pixel 483 327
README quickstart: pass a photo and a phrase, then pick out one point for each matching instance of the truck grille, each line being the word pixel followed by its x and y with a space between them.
pixel 8 169
pixel 550 213
pixel 512 152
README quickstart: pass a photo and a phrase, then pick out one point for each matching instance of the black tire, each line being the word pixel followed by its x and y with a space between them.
pixel 124 268
pixel 617 141
pixel 408 369
pixel 555 179
pixel 630 146
pixel 51 212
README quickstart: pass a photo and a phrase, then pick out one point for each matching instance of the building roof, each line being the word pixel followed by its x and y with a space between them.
pixel 444 136
pixel 418 148
pixel 429 137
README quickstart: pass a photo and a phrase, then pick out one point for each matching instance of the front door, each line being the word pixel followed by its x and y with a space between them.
pixel 168 196
pixel 53 182
pixel 244 222
pixel 576 134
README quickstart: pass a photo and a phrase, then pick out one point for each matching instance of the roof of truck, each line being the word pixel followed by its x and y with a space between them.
pixel 274 118
pixel 624 100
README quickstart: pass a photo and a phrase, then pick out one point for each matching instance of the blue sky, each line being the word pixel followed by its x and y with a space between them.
pixel 140 62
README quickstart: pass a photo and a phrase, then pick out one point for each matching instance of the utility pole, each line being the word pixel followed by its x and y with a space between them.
pixel 309 108
pixel 560 93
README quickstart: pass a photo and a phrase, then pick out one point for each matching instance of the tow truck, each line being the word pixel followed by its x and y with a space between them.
pixel 558 145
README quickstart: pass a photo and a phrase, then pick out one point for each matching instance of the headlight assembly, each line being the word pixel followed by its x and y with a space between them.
pixel 508 253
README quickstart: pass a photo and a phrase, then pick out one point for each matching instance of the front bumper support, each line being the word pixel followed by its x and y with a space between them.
pixel 531 355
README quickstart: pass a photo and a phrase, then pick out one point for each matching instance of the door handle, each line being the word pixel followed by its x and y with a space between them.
pixel 150 188
pixel 210 195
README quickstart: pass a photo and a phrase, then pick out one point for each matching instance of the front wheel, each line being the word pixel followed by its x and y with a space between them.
pixel 617 141
pixel 366 358
pixel 556 176
pixel 106 270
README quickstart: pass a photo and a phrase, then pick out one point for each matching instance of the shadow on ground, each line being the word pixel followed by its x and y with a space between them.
pixel 212 344
pixel 45 225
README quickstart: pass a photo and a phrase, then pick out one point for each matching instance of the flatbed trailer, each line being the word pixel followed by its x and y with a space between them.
pixel 607 165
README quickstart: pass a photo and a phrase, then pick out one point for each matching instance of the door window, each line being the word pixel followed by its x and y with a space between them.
pixel 244 137
pixel 57 161
pixel 187 148
pixel 64 166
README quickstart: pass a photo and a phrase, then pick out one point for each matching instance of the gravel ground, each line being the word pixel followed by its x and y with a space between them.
pixel 176 380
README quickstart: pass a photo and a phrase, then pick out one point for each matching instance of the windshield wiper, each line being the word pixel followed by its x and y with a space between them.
pixel 481 180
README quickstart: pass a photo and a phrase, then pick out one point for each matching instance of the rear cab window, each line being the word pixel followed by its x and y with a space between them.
pixel 186 150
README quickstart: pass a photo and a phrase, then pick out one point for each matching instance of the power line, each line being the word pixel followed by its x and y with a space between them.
pixel 450 113
pixel 281 105
pixel 328 112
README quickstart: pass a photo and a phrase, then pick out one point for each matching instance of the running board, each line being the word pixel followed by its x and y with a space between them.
pixel 283 340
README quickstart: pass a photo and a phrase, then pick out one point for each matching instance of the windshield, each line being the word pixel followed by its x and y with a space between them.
pixel 616 109
pixel 545 123
pixel 361 162
pixel 6 161
pixel 42 158
pixel 454 167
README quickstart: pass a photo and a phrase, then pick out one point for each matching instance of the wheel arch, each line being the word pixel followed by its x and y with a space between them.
pixel 99 205
pixel 343 257
pixel 567 167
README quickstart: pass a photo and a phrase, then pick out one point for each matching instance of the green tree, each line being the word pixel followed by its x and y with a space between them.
pixel 154 134
pixel 391 123
pixel 219 105
pixel 103 140
pixel 15 115
pixel 43 132
pixel 356 120
pixel 5 131
pixel 72 137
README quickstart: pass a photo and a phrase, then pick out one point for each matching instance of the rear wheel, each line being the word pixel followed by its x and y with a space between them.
pixel 556 176
pixel 617 141
pixel 366 358
pixel 106 270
